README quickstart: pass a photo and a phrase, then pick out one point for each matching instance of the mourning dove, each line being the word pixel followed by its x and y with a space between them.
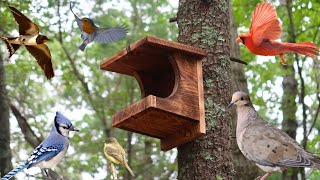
pixel 270 148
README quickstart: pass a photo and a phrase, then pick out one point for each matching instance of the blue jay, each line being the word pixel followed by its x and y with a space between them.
pixel 51 151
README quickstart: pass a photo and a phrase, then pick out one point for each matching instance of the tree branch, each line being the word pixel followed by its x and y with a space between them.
pixel 173 19
pixel 28 133
pixel 234 59
pixel 317 75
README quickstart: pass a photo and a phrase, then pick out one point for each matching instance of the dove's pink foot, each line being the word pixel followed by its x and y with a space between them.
pixel 264 177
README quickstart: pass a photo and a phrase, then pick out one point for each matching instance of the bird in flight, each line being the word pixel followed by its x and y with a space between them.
pixel 90 32
pixel 29 36
pixel 265 29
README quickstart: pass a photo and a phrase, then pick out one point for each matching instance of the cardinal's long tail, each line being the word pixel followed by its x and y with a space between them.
pixel 14 171
pixel 12 48
pixel 129 169
pixel 305 48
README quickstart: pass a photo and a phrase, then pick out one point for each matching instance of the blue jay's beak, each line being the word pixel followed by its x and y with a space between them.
pixel 231 104
pixel 73 129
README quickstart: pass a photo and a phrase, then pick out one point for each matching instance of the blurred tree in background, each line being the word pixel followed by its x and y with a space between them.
pixel 89 96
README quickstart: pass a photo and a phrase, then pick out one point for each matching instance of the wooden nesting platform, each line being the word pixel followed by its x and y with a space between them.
pixel 170 78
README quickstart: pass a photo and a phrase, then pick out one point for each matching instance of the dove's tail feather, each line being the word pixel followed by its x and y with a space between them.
pixel 129 169
pixel 14 171
pixel 83 46
pixel 316 160
pixel 12 48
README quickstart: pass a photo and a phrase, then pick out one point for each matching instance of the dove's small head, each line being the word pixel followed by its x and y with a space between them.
pixel 240 99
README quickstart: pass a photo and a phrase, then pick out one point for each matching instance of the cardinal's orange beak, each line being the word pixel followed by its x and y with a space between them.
pixel 239 40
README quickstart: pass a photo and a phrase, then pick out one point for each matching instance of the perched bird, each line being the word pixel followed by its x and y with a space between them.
pixel 51 151
pixel 115 153
pixel 90 32
pixel 265 29
pixel 270 148
pixel 29 36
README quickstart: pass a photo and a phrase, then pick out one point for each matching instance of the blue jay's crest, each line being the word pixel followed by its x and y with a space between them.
pixel 61 119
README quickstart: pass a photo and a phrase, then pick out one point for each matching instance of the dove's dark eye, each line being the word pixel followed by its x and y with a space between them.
pixel 241 98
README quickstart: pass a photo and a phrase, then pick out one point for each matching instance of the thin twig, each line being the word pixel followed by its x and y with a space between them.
pixel 316 67
pixel 238 60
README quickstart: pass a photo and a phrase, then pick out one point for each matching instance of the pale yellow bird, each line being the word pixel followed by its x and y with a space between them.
pixel 115 153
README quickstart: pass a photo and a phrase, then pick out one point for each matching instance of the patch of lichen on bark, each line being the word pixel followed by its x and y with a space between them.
pixel 205 24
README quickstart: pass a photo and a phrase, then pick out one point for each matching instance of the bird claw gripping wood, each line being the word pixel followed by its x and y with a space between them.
pixel 283 59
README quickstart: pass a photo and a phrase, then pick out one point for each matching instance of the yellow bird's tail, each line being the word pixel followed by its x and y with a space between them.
pixel 129 169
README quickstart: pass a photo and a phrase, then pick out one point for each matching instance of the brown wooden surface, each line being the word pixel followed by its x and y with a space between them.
pixel 170 78
pixel 149 54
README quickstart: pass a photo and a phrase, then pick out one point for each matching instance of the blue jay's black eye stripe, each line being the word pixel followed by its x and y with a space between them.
pixel 56 124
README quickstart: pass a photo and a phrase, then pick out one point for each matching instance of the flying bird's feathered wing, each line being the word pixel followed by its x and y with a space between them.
pixel 26 26
pixel 42 54
pixel 265 23
pixel 108 35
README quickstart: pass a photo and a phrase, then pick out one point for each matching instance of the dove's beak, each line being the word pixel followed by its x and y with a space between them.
pixel 231 104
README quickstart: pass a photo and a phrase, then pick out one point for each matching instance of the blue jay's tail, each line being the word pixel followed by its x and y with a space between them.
pixel 15 171
pixel 83 46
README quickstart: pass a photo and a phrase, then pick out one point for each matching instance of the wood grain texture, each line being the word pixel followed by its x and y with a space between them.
pixel 169 75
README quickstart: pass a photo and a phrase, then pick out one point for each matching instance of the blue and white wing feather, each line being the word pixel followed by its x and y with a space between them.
pixel 44 154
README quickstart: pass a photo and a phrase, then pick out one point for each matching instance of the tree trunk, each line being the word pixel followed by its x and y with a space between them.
pixel 289 106
pixel 147 173
pixel 205 24
pixel 5 151
pixel 244 168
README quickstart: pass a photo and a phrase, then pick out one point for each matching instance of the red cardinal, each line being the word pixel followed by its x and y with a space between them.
pixel 265 29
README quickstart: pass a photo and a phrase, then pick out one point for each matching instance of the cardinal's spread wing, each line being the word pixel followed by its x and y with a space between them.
pixel 109 35
pixel 42 54
pixel 26 26
pixel 265 23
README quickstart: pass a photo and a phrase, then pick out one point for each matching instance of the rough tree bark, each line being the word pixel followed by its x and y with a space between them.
pixel 205 24
pixel 244 168
pixel 289 106
pixel 5 150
